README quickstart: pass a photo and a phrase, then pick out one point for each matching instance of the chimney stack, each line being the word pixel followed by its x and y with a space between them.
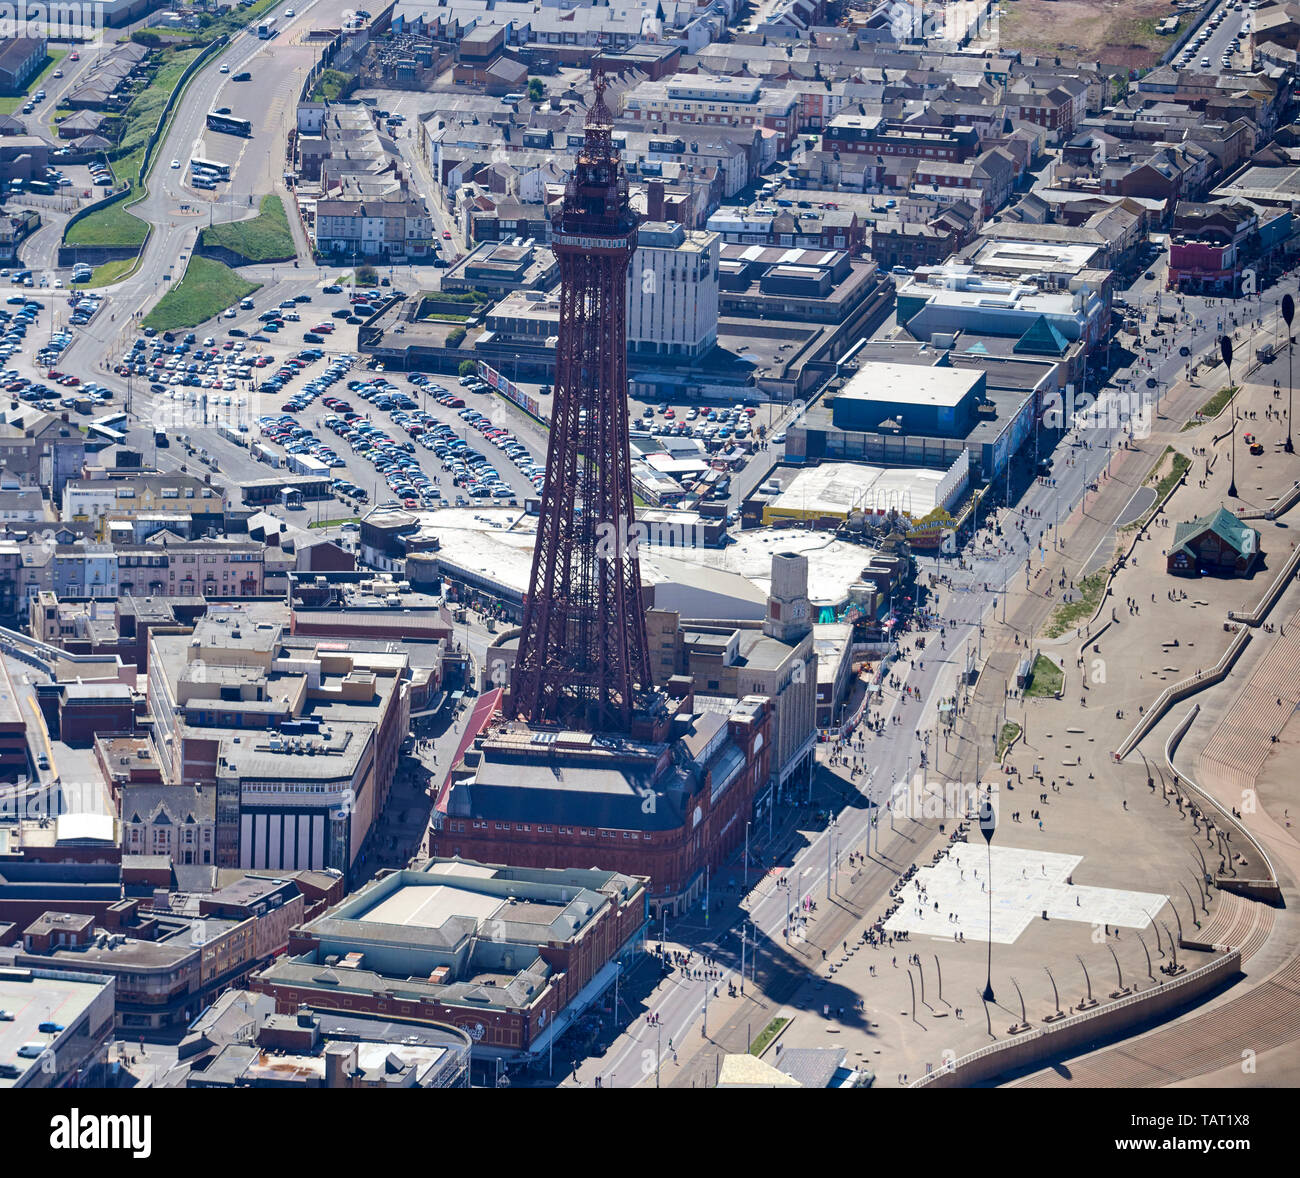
pixel 655 200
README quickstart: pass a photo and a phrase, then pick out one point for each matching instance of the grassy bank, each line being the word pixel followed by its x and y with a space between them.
pixel 1007 737
pixel 1047 679
pixel 141 117
pixel 1069 615
pixel 264 238
pixel 107 274
pixel 110 226
pixel 114 225
pixel 207 289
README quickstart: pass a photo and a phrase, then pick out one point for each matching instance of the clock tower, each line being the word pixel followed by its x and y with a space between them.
pixel 789 612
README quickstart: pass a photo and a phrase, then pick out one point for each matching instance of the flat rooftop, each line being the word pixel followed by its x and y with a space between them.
pixel 42 999
pixel 888 383
pixel 1268 185
pixel 833 565
pixel 838 488
pixel 1033 257
pixel 431 907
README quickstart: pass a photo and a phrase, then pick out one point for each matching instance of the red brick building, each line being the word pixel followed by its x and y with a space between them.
pixel 510 956
pixel 667 811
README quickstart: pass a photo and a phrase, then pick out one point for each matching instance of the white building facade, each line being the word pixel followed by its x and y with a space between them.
pixel 672 291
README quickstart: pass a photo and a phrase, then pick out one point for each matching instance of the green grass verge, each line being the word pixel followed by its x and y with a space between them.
pixel 108 273
pixel 330 85
pixel 12 102
pixel 445 318
pixel 766 1035
pixel 334 523
pixel 114 225
pixel 1214 406
pixel 1178 464
pixel 1007 736
pixel 1047 679
pixel 142 115
pixel 207 289
pixel 1069 615
pixel 263 238
pixel 110 226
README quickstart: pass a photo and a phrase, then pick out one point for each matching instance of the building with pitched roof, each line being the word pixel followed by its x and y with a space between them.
pixel 1218 544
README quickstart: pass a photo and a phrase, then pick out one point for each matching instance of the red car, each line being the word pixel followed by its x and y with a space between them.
pixel 446 236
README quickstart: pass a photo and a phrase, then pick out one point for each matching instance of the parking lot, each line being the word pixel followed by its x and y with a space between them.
pixel 414 445
pixel 277 385
pixel 35 327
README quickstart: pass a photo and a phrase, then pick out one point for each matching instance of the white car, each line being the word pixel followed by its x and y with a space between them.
pixel 225 67
pixel 176 163
pixel 288 12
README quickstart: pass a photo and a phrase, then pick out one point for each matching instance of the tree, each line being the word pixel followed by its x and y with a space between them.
pixel 467 368
pixel 367 276
pixel 146 37
pixel 536 89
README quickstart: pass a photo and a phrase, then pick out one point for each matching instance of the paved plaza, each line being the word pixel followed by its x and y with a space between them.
pixel 952 896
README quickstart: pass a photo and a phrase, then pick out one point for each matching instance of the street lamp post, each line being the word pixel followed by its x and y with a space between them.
pixel 1288 313
pixel 1225 349
pixel 988 822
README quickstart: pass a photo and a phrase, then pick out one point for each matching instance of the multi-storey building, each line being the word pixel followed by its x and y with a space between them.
pixel 672 291
pixel 373 228
pixel 510 955
pixel 715 101
pixel 188 568
pixel 85 570
pixel 667 810
pixel 877 136
pixel 125 498
pixel 42 449
pixel 299 738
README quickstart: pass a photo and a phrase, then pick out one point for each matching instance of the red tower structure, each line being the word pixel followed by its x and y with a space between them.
pixel 583 657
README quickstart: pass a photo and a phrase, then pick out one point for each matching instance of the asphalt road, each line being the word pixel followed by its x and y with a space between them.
pixel 279 67
pixel 1217 43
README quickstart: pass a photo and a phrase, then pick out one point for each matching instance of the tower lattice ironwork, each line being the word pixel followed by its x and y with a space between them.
pixel 583 657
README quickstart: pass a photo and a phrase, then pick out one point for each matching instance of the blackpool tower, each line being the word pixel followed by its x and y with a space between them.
pixel 583 657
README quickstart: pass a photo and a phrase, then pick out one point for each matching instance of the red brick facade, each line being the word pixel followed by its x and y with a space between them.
pixel 575 964
pixel 673 859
